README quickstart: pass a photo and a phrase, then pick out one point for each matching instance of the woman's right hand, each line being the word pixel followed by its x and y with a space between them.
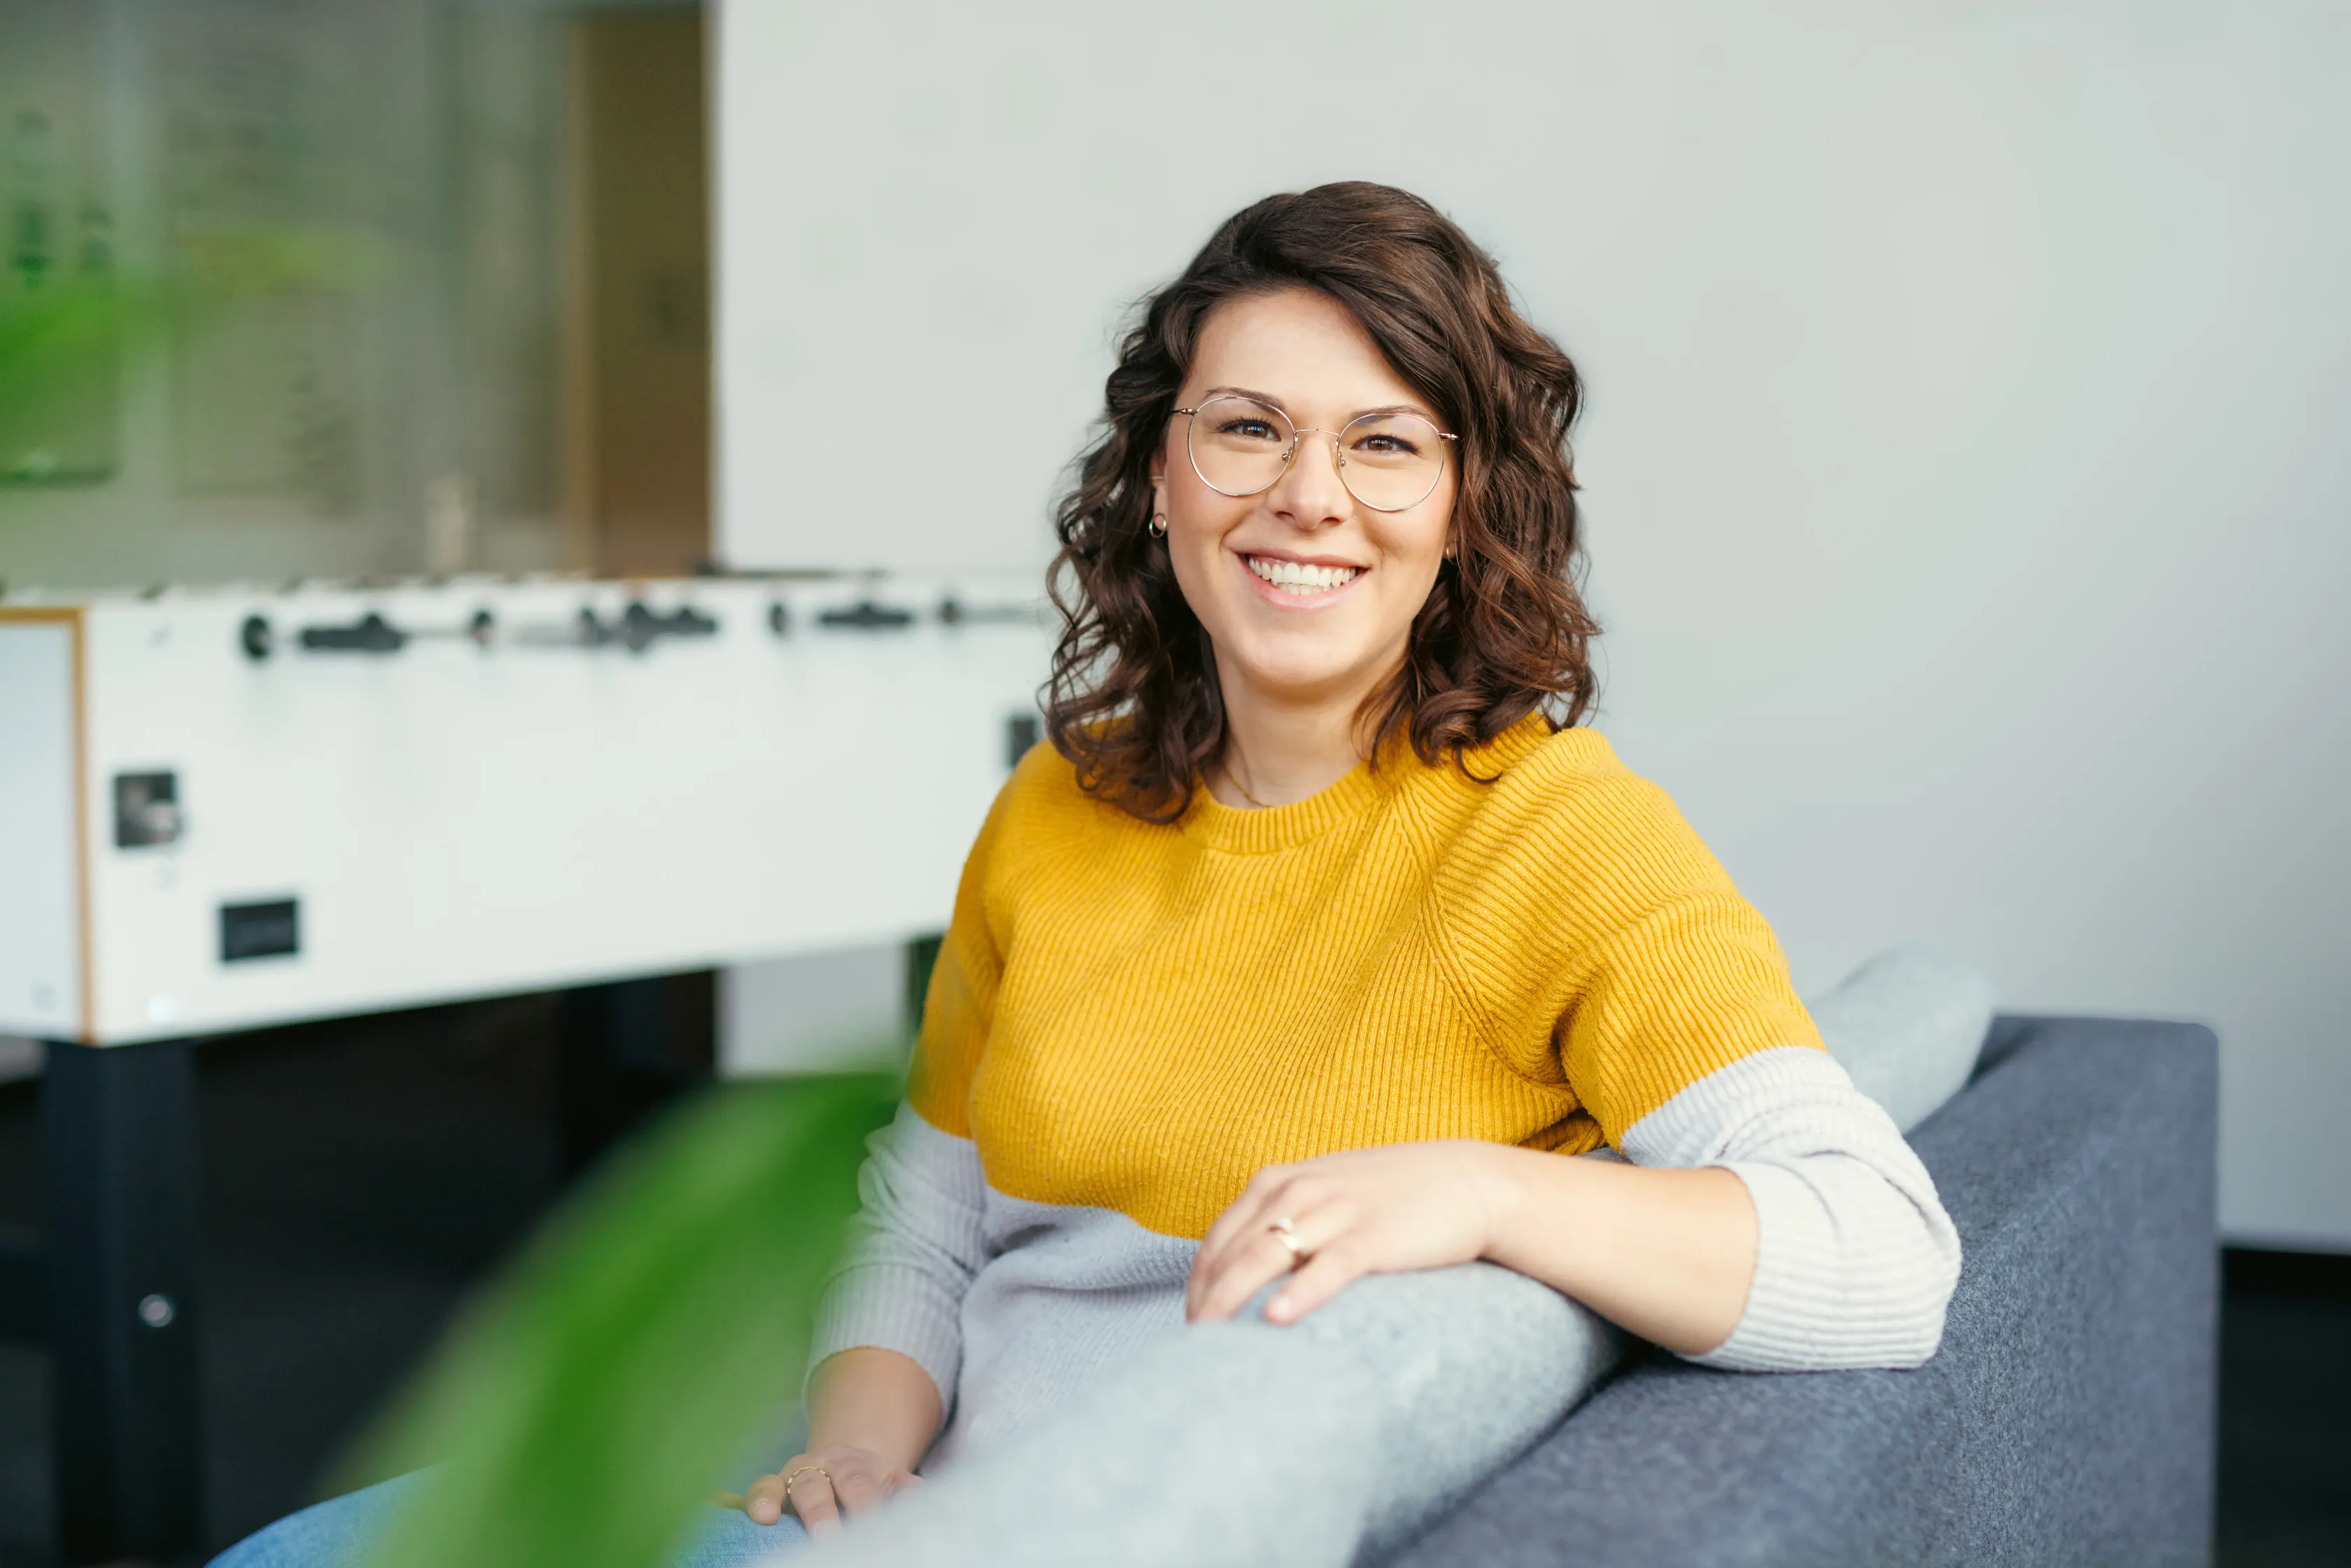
pixel 825 1483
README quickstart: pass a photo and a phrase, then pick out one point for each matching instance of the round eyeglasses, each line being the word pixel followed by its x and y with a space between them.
pixel 1389 460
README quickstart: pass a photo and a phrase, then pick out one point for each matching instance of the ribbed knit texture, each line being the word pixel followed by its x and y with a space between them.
pixel 917 1242
pixel 1856 1258
pixel 1139 1018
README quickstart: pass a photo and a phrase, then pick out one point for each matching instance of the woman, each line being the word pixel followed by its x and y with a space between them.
pixel 1315 937
pixel 1319 937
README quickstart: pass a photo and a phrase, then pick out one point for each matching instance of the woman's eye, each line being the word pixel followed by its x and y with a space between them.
pixel 1386 446
pixel 1249 429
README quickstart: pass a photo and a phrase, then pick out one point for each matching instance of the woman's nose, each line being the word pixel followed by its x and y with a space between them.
pixel 1309 492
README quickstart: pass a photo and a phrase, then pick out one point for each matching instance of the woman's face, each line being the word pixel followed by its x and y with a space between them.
pixel 1247 564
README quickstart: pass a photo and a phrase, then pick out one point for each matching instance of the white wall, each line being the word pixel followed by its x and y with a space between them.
pixel 1967 467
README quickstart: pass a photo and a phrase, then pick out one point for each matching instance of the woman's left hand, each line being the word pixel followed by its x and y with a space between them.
pixel 1362 1211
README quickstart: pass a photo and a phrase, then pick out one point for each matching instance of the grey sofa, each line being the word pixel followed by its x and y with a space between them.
pixel 2068 1418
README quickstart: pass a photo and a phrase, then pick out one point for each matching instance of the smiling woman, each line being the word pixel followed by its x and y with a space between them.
pixel 1319 933
pixel 1335 406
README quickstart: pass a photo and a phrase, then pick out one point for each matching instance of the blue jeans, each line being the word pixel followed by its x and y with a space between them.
pixel 341 1532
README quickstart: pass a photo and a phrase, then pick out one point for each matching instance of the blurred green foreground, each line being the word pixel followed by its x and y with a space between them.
pixel 583 1409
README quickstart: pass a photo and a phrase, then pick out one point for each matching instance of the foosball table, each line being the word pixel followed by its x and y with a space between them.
pixel 229 808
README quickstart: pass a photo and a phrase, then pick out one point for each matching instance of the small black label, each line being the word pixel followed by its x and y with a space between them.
pixel 146 810
pixel 260 930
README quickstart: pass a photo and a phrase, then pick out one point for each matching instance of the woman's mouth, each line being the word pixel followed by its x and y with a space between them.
pixel 1298 576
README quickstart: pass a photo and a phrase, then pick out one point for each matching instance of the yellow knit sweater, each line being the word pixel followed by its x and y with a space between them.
pixel 1141 1017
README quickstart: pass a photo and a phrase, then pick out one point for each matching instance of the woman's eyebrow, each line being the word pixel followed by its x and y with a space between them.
pixel 1273 402
pixel 1266 397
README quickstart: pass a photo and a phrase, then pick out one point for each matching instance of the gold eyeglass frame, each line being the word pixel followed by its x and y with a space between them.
pixel 1297 435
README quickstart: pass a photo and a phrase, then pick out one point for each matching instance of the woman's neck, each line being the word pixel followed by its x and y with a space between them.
pixel 1279 751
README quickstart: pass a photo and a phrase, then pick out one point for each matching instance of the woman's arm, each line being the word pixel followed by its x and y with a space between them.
pixel 1666 1254
pixel 888 1338
pixel 877 1400
pixel 1774 1219
pixel 871 1415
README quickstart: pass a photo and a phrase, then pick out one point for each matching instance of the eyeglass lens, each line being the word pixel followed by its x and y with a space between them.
pixel 1389 461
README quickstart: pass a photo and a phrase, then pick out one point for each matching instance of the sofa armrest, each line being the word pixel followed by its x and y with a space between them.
pixel 2069 1417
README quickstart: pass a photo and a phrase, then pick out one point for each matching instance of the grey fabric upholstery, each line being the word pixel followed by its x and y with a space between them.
pixel 2067 1419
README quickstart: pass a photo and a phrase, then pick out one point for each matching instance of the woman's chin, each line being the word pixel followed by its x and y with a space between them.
pixel 1300 678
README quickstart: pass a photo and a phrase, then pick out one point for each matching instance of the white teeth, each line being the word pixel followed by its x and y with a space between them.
pixel 1298 578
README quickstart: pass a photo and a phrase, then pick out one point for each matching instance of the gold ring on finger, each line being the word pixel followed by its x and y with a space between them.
pixel 1287 1233
pixel 802 1471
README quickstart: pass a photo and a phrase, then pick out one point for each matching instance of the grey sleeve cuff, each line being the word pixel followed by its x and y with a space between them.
pixel 1856 1258
pixel 914 1246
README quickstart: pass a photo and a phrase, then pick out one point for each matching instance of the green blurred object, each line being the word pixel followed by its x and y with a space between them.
pixel 581 1412
pixel 60 354
pixel 64 343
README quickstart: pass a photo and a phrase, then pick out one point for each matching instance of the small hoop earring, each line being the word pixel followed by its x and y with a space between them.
pixel 1158 525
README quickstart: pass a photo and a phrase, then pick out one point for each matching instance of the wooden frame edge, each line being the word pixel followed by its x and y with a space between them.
pixel 75 618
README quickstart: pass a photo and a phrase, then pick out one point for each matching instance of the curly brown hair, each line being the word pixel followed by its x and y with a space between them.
pixel 1133 700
